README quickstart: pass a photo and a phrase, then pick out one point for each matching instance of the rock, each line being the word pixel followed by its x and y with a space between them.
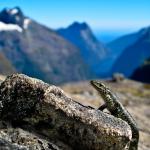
pixel 5 145
pixel 133 95
pixel 2 78
pixel 19 139
pixel 118 77
pixel 46 110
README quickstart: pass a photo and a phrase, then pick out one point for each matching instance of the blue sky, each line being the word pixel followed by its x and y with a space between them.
pixel 100 14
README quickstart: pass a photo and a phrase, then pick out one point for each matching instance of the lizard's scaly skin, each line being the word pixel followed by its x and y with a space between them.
pixel 118 110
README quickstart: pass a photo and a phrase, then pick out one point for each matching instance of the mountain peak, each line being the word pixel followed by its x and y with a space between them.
pixel 15 11
pixel 79 26
pixel 145 30
pixel 12 16
pixel 92 50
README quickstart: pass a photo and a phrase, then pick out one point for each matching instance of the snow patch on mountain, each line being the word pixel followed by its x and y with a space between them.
pixel 26 23
pixel 9 27
pixel 14 11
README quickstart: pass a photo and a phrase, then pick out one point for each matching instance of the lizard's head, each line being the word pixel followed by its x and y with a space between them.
pixel 105 93
pixel 98 85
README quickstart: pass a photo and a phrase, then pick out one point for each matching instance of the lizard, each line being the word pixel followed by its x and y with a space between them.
pixel 117 110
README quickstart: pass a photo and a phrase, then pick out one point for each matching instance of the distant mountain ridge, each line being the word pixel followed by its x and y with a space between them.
pixel 118 46
pixel 67 54
pixel 92 50
pixel 125 41
pixel 134 54
pixel 38 51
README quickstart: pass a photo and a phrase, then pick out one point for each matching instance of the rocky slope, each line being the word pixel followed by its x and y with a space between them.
pixel 92 50
pixel 38 51
pixel 6 67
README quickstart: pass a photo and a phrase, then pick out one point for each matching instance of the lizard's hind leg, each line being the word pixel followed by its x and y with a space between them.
pixel 102 107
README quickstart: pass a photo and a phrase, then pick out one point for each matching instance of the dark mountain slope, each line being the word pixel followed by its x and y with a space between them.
pixel 142 73
pixel 92 50
pixel 39 51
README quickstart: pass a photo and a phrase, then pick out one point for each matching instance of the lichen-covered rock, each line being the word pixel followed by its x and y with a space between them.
pixel 6 145
pixel 32 104
pixel 18 139
pixel 2 78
